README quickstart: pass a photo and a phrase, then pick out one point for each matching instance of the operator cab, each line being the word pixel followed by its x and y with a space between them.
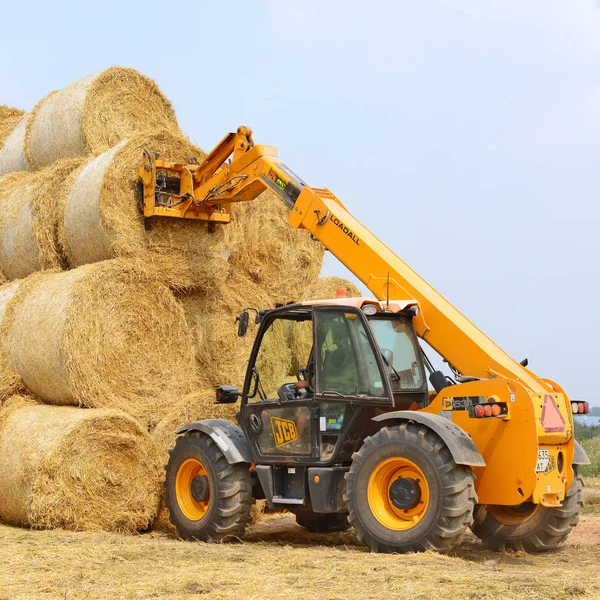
pixel 353 358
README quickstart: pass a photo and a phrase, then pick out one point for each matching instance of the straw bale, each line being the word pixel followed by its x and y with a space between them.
pixel 196 406
pixel 266 248
pixel 326 287
pixel 301 333
pixel 30 209
pixel 102 219
pixel 100 336
pixel 9 381
pixel 76 468
pixel 9 117
pixel 94 114
pixel 12 151
pixel 221 355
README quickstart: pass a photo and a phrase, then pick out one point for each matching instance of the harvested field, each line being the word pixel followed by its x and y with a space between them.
pixel 279 560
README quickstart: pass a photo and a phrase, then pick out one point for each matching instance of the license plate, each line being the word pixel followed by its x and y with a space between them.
pixel 542 461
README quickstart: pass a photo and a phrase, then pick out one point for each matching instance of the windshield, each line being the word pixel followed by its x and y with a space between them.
pixel 400 353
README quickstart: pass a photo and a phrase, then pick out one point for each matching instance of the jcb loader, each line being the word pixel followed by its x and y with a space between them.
pixel 358 440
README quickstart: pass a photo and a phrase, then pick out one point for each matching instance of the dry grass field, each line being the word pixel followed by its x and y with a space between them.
pixel 277 559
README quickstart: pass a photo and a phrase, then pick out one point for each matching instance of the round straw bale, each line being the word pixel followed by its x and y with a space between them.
pixel 301 339
pixel 12 151
pixel 9 381
pixel 221 355
pixel 94 114
pixel 30 208
pixel 100 336
pixel 9 117
pixel 272 254
pixel 192 407
pixel 102 219
pixel 76 468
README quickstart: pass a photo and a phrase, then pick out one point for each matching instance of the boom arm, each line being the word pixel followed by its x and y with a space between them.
pixel 206 191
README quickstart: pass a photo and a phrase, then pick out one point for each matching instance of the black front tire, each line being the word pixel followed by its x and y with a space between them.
pixel 542 528
pixel 230 491
pixel 451 499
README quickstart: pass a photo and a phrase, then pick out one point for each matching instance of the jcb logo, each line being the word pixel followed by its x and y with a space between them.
pixel 284 431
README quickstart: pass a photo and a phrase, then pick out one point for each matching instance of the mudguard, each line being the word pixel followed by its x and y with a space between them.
pixel 580 457
pixel 461 446
pixel 226 435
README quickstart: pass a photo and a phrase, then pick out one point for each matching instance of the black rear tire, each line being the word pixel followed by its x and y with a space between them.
pixel 322 523
pixel 541 528
pixel 450 492
pixel 228 499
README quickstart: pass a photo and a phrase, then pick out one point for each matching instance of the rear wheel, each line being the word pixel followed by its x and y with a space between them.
pixel 529 527
pixel 405 493
pixel 322 523
pixel 208 499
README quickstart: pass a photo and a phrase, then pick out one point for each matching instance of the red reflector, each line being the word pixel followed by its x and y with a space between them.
pixel 551 419
pixel 478 411
pixel 586 408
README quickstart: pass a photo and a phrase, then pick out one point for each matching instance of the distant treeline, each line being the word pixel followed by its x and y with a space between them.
pixel 584 432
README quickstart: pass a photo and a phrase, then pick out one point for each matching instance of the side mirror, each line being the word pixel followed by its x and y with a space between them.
pixel 227 394
pixel 242 318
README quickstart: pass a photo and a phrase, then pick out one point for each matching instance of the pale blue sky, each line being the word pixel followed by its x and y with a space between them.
pixel 465 134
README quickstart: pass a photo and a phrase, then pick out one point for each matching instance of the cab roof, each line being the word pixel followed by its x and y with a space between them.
pixel 394 306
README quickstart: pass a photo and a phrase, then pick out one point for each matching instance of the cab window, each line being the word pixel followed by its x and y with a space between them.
pixel 400 353
pixel 346 361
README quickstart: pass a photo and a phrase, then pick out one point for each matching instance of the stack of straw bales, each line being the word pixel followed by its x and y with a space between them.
pixel 109 331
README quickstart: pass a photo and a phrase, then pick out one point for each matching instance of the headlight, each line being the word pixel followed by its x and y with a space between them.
pixel 370 310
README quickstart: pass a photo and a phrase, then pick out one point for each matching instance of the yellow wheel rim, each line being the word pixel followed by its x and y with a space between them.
pixel 190 507
pixel 512 515
pixel 378 494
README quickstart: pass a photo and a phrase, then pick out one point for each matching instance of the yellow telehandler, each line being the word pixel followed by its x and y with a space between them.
pixel 358 440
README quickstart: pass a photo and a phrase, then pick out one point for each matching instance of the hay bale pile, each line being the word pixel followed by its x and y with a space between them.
pixel 108 330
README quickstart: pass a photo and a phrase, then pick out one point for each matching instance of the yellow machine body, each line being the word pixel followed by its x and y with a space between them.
pixel 511 445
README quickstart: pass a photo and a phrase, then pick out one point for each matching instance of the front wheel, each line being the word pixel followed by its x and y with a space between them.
pixel 529 527
pixel 208 499
pixel 405 493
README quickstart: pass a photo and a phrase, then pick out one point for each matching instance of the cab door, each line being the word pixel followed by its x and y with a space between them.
pixel 279 420
pixel 349 376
